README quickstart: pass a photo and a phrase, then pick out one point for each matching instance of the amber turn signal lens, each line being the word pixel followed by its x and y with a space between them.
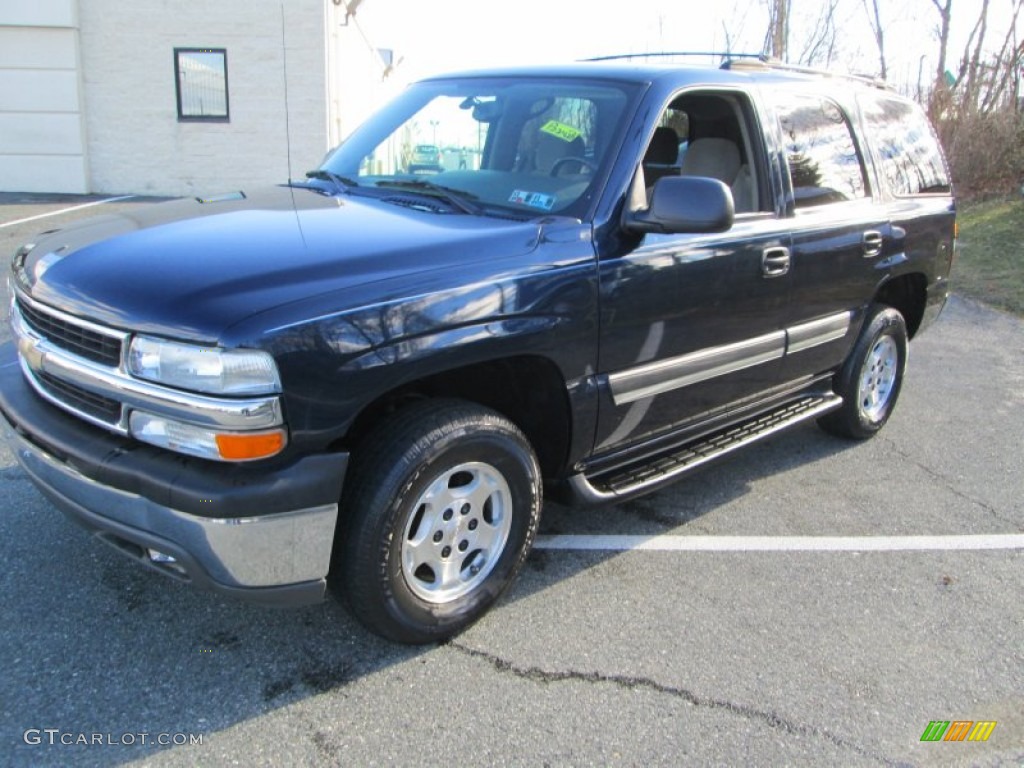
pixel 252 446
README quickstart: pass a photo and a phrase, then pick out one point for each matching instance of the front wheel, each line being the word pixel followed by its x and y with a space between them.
pixel 442 508
pixel 872 376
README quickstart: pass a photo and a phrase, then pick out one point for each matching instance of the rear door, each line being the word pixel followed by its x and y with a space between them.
pixel 840 234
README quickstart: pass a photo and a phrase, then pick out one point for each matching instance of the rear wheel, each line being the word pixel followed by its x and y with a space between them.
pixel 441 508
pixel 872 376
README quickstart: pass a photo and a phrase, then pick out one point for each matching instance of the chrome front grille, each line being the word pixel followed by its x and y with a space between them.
pixel 49 341
pixel 81 400
pixel 77 337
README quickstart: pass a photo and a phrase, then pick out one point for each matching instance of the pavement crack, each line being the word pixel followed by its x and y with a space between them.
pixel 948 484
pixel 632 683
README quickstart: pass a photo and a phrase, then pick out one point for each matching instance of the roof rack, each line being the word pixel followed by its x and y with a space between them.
pixel 767 62
pixel 665 54
pixel 732 60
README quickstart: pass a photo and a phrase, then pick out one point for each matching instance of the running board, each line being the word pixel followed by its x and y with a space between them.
pixel 666 467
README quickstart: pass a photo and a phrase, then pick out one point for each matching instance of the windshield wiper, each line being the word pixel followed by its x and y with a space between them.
pixel 340 182
pixel 456 198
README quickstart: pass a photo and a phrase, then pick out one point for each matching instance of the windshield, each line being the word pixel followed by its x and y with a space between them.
pixel 529 145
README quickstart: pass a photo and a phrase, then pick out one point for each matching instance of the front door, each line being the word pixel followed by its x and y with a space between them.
pixel 693 325
pixel 689 325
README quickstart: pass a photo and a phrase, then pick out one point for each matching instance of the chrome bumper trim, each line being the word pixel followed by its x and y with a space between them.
pixel 251 552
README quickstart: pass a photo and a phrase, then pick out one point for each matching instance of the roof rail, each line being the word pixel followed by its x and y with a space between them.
pixel 766 62
pixel 664 54
pixel 731 60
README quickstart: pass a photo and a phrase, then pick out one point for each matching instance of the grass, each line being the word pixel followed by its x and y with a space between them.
pixel 990 266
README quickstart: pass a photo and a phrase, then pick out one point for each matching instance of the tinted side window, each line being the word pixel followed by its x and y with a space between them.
pixel 911 161
pixel 823 159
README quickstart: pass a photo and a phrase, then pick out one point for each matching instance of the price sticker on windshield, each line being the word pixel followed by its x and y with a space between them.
pixel 560 130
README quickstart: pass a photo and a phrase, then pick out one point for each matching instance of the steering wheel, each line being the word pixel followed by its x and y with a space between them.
pixel 590 165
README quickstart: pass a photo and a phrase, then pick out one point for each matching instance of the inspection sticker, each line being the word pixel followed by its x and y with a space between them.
pixel 533 199
pixel 560 130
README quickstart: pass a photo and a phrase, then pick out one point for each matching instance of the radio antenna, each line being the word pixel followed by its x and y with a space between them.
pixel 287 106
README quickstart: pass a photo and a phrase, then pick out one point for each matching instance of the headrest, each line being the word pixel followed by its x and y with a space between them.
pixel 664 147
pixel 716 158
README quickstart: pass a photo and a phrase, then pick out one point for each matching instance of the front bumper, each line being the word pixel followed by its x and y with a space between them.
pixel 252 532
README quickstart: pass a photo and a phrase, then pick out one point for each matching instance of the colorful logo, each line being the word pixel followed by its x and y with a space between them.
pixel 958 730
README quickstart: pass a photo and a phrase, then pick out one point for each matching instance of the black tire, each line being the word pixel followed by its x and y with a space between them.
pixel 416 567
pixel 872 376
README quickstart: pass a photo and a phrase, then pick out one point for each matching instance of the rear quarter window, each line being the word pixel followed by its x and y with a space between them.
pixel 911 161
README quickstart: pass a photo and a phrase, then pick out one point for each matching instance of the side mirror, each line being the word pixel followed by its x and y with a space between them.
pixel 685 204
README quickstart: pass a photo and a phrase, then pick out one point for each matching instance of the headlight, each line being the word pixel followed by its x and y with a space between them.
pixel 203 369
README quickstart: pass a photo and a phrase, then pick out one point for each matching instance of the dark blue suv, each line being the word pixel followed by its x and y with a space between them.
pixel 370 377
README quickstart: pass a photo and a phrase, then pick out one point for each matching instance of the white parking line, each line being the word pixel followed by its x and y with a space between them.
pixel 66 210
pixel 783 543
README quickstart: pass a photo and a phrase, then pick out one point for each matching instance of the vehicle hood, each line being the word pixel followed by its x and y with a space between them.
pixel 193 268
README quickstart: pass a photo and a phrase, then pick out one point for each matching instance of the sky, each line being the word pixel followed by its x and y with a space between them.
pixel 431 36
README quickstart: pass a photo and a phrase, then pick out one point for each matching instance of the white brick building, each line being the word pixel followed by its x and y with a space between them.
pixel 99 95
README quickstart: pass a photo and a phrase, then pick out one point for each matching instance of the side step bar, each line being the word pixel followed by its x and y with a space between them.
pixel 666 467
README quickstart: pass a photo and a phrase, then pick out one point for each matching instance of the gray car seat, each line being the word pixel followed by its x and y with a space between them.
pixel 720 159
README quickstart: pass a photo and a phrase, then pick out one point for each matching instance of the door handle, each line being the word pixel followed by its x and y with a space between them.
pixel 775 262
pixel 872 244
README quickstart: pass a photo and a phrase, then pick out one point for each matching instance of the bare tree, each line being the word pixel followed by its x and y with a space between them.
pixel 971 67
pixel 776 39
pixel 983 84
pixel 741 27
pixel 1005 83
pixel 878 31
pixel 728 37
pixel 940 90
pixel 945 10
pixel 977 112
pixel 820 45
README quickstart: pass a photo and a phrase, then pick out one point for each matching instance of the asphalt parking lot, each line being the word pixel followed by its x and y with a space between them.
pixel 748 652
